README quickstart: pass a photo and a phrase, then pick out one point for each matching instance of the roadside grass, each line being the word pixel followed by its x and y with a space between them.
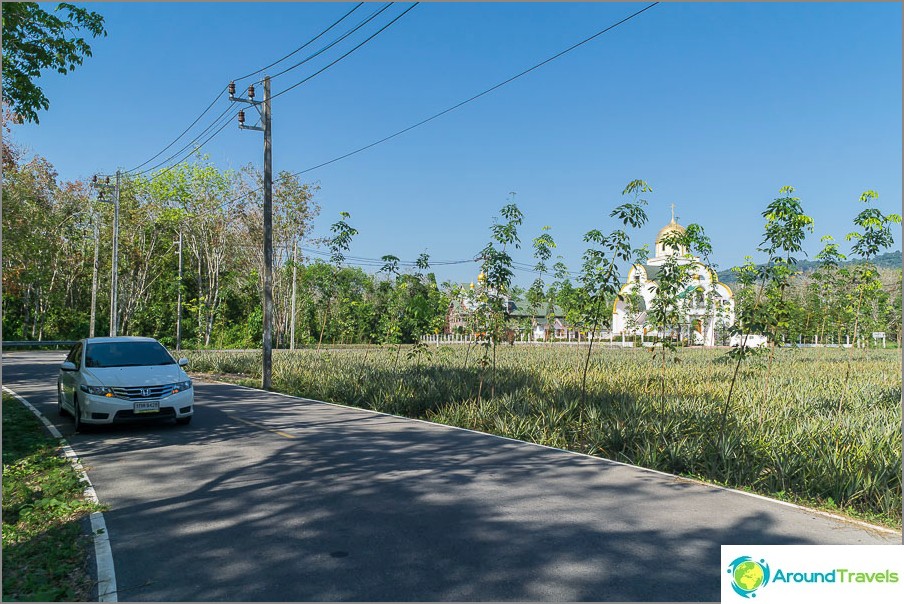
pixel 790 438
pixel 45 550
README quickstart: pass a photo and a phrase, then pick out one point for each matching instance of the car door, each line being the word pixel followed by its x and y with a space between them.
pixel 69 380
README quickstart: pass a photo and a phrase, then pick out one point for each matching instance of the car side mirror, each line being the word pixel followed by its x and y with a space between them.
pixel 183 362
pixel 68 366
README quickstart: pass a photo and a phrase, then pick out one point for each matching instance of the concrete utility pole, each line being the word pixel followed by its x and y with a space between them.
pixel 114 296
pixel 179 299
pixel 94 276
pixel 265 127
pixel 294 285
pixel 114 312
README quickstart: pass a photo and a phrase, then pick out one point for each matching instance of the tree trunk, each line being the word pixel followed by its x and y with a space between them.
pixel 323 325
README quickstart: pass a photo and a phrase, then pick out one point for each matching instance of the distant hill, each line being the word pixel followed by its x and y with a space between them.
pixel 887 260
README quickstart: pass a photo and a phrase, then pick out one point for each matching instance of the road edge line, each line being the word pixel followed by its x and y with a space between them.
pixel 844 519
pixel 103 552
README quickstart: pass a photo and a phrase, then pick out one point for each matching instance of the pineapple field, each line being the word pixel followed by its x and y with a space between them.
pixel 817 426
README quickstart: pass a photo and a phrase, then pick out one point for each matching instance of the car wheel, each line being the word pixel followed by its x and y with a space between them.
pixel 79 426
pixel 183 421
pixel 60 409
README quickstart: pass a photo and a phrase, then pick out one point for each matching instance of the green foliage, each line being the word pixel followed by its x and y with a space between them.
pixel 496 284
pixel 538 294
pixel 35 40
pixel 600 275
pixel 875 234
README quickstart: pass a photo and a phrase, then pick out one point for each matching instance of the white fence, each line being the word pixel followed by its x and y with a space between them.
pixel 444 339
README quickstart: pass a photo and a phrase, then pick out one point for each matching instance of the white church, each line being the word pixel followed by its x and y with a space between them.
pixel 707 305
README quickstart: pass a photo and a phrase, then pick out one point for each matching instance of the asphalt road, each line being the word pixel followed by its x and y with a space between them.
pixel 269 498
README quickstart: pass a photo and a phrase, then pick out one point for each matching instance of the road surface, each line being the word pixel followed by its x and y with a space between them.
pixel 272 498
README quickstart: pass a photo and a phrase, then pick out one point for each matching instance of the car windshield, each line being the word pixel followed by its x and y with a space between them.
pixel 127 354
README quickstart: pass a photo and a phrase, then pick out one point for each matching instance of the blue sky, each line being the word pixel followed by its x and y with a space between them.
pixel 715 105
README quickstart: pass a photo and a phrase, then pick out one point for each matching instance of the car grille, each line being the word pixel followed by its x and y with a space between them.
pixel 142 393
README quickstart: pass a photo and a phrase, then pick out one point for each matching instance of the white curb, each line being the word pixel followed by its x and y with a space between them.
pixel 106 575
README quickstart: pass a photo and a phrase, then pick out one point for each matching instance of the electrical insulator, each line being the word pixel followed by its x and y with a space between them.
pixel 251 91
pixel 231 88
pixel 241 117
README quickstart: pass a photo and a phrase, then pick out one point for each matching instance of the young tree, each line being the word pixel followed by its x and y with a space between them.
pixel 826 283
pixel 785 230
pixel 537 294
pixel 493 297
pixel 599 270
pixel 873 237
pixel 338 244
pixel 667 311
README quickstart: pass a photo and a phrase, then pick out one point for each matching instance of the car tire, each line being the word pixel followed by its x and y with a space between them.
pixel 79 426
pixel 60 410
pixel 183 421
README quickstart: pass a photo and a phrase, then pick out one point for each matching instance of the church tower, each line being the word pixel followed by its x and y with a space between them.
pixel 706 305
pixel 661 250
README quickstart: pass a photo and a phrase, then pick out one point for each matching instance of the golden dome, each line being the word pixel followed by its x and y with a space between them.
pixel 672 227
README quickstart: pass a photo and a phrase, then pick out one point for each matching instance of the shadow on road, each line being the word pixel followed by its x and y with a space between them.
pixel 360 506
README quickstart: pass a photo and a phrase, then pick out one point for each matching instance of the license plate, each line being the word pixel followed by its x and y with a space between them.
pixel 147 407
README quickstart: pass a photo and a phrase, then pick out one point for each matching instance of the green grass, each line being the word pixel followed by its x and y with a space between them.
pixel 787 438
pixel 45 551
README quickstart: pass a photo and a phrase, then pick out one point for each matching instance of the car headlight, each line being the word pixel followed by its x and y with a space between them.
pixel 181 386
pixel 97 390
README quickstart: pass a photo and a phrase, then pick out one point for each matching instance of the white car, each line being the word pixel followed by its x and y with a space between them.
pixel 107 380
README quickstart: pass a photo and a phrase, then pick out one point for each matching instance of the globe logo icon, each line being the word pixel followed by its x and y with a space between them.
pixel 748 575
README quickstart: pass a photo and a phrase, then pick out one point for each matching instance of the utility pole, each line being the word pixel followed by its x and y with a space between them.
pixel 263 108
pixel 114 312
pixel 94 276
pixel 114 297
pixel 294 284
pixel 179 299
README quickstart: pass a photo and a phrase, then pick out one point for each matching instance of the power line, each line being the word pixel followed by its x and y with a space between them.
pixel 194 140
pixel 465 102
pixel 378 32
pixel 197 119
pixel 220 94
pixel 334 42
pixel 473 98
pixel 220 129
pixel 302 47
pixel 189 143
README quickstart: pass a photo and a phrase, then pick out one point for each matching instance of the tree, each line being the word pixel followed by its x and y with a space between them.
pixel 35 40
pixel 536 295
pixel 667 311
pixel 294 210
pixel 827 285
pixel 338 245
pixel 874 236
pixel 493 298
pixel 599 270
pixel 785 230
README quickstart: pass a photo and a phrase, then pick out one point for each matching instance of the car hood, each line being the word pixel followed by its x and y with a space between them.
pixel 136 376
